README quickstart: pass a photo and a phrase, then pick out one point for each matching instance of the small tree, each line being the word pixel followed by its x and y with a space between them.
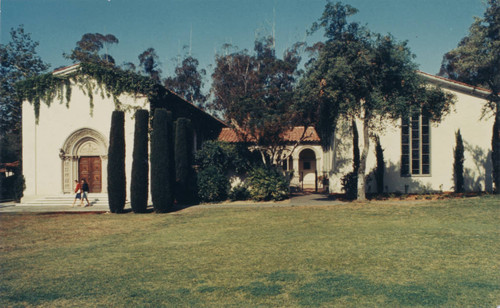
pixel 458 164
pixel 116 163
pixel 183 157
pixel 162 161
pixel 379 171
pixel 140 165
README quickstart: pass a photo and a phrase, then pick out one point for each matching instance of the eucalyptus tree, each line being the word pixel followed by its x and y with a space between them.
pixel 188 81
pixel 254 93
pixel 363 76
pixel 476 60
pixel 89 49
pixel 149 64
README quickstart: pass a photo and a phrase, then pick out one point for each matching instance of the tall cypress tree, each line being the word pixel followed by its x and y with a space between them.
pixel 162 170
pixel 183 157
pixel 458 164
pixel 140 166
pixel 379 172
pixel 116 163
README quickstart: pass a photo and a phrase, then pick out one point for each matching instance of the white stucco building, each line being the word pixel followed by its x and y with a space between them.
pixel 418 155
pixel 71 142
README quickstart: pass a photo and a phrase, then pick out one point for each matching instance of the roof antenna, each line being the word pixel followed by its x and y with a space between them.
pixel 274 28
pixel 190 39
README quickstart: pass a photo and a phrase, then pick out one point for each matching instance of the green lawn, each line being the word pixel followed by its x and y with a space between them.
pixel 444 253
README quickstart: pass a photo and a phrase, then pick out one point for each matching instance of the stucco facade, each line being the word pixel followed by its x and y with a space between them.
pixel 52 148
pixel 467 115
pixel 71 142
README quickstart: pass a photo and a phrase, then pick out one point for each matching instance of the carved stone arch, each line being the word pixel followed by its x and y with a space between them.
pixel 84 142
pixel 84 135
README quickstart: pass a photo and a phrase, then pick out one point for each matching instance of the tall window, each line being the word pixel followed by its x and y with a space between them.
pixel 415 146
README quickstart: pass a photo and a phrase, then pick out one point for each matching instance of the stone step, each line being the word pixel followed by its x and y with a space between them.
pixel 65 200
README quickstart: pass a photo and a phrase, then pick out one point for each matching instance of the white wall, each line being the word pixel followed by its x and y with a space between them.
pixel 476 133
pixel 42 166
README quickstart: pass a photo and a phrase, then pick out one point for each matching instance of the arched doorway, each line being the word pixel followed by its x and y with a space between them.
pixel 307 168
pixel 83 156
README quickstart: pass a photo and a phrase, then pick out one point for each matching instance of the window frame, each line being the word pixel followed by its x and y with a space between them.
pixel 408 148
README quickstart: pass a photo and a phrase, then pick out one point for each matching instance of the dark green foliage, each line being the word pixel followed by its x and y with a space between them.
pixel 213 185
pixel 349 184
pixel 267 183
pixel 239 192
pixel 495 154
pixel 188 81
pixel 379 171
pixel 184 192
pixel 150 65
pixel 162 163
pixel 216 160
pixel 87 49
pixel 116 163
pixel 140 165
pixel 355 147
pixel 226 157
pixel 458 164
pixel 110 81
pixel 19 61
pixel 12 187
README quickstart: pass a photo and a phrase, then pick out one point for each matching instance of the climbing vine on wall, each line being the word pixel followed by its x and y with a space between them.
pixel 91 78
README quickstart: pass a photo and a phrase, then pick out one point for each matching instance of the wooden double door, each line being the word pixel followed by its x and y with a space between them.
pixel 89 168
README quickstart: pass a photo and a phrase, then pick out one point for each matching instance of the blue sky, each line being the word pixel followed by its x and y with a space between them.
pixel 432 27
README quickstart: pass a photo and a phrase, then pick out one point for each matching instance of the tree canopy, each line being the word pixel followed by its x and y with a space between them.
pixel 19 61
pixel 89 47
pixel 149 63
pixel 188 81
pixel 254 94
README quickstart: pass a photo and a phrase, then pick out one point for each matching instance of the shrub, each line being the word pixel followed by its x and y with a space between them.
pixel 12 187
pixel 349 184
pixel 239 192
pixel 213 185
pixel 140 165
pixel 162 169
pixel 458 164
pixel 267 184
pixel 215 160
pixel 116 163
pixel 226 156
pixel 183 155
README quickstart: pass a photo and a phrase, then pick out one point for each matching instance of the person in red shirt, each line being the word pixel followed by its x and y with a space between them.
pixel 78 195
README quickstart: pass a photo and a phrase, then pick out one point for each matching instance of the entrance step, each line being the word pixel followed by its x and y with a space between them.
pixel 66 200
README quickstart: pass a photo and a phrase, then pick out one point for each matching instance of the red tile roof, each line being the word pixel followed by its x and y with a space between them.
pixel 293 135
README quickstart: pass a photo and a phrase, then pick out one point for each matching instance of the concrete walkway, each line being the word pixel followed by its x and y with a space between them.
pixel 295 200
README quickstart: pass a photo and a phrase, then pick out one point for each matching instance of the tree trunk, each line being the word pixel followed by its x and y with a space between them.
pixel 362 162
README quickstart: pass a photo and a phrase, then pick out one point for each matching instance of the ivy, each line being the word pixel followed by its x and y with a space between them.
pixel 91 78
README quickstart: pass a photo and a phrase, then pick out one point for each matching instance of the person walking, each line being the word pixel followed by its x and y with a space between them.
pixel 85 191
pixel 77 192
